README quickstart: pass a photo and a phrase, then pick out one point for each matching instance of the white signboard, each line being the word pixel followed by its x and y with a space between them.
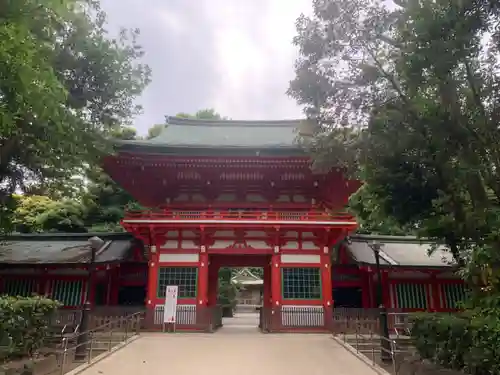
pixel 170 308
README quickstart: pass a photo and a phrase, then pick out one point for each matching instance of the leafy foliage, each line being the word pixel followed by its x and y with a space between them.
pixel 227 290
pixel 203 114
pixel 462 342
pixel 40 213
pixel 65 85
pixel 405 96
pixel 23 321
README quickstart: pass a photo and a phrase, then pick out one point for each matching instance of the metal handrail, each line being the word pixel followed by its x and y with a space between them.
pixel 374 338
pixel 108 329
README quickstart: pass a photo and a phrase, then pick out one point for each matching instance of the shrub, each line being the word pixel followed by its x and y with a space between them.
pixel 23 323
pixel 463 341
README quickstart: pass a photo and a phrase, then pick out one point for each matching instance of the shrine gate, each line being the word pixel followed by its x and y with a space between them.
pixel 221 193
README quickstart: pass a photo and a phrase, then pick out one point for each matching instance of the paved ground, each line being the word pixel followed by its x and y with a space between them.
pixel 241 322
pixel 233 350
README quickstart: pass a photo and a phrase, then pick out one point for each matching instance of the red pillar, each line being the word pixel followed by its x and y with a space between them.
pixel 276 300
pixel 267 286
pixel 203 280
pixel 42 283
pixel 152 280
pixel 326 284
pixel 370 289
pixel 91 287
pixel 365 285
pixel 326 280
pixel 386 294
pixel 276 280
pixel 436 293
pixel 115 285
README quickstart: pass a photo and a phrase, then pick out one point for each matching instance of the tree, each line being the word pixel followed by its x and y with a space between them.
pixel 203 114
pixel 409 94
pixel 64 86
pixel 371 216
pixel 37 213
pixel 155 131
pixel 104 199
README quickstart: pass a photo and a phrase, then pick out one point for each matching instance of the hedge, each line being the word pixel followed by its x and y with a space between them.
pixel 465 342
pixel 23 324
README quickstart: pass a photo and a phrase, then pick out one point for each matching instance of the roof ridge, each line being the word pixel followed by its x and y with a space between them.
pixel 390 238
pixel 112 236
pixel 173 120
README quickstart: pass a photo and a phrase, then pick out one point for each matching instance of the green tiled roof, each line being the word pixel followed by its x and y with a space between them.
pixel 399 251
pixel 180 132
pixel 59 249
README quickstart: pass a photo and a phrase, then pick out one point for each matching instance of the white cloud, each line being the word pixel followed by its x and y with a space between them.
pixel 255 56
pixel 235 56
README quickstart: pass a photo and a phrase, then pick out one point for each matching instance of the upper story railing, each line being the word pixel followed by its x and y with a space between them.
pixel 237 215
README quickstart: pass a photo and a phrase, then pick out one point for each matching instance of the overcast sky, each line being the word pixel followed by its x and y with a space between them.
pixel 235 56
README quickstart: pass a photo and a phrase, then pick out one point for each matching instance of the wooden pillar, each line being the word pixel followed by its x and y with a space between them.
pixel 366 288
pixel 326 280
pixel 152 278
pixel 275 320
pixel 92 290
pixel 203 280
pixel 276 280
pixel 435 290
pixel 115 285
pixel 326 286
pixel 109 286
pixel 267 286
pixel 386 295
pixel 370 287
pixel 43 283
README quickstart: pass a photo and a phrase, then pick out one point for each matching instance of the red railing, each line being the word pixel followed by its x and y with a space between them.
pixel 217 215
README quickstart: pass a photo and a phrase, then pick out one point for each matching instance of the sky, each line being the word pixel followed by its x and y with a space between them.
pixel 235 56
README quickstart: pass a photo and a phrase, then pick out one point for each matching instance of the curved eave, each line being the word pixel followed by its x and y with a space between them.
pixel 411 266
pixel 207 150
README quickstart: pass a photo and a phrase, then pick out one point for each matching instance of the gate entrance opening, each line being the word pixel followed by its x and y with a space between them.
pixel 238 291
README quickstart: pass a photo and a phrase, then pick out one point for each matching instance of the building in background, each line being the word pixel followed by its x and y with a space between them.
pixel 250 290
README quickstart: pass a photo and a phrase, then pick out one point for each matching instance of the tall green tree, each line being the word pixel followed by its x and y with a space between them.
pixel 104 199
pixel 407 97
pixel 65 84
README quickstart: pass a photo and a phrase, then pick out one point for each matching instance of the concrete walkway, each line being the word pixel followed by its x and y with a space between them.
pixel 231 352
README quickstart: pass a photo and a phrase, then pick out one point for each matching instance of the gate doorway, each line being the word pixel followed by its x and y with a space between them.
pixel 241 285
pixel 348 297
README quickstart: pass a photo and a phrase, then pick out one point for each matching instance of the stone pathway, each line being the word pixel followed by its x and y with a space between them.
pixel 231 351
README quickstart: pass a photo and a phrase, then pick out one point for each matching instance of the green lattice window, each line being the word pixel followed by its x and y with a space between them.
pixel 411 296
pixel 184 277
pixel 301 283
pixel 453 294
pixel 20 287
pixel 68 292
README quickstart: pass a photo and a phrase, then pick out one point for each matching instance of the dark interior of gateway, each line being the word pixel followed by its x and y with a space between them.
pixel 348 297
pixel 132 295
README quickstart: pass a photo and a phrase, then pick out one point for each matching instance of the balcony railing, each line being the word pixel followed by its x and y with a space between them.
pixel 240 215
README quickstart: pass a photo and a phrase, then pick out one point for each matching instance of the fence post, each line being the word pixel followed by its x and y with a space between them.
pixel 65 353
pixel 127 321
pixel 91 346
